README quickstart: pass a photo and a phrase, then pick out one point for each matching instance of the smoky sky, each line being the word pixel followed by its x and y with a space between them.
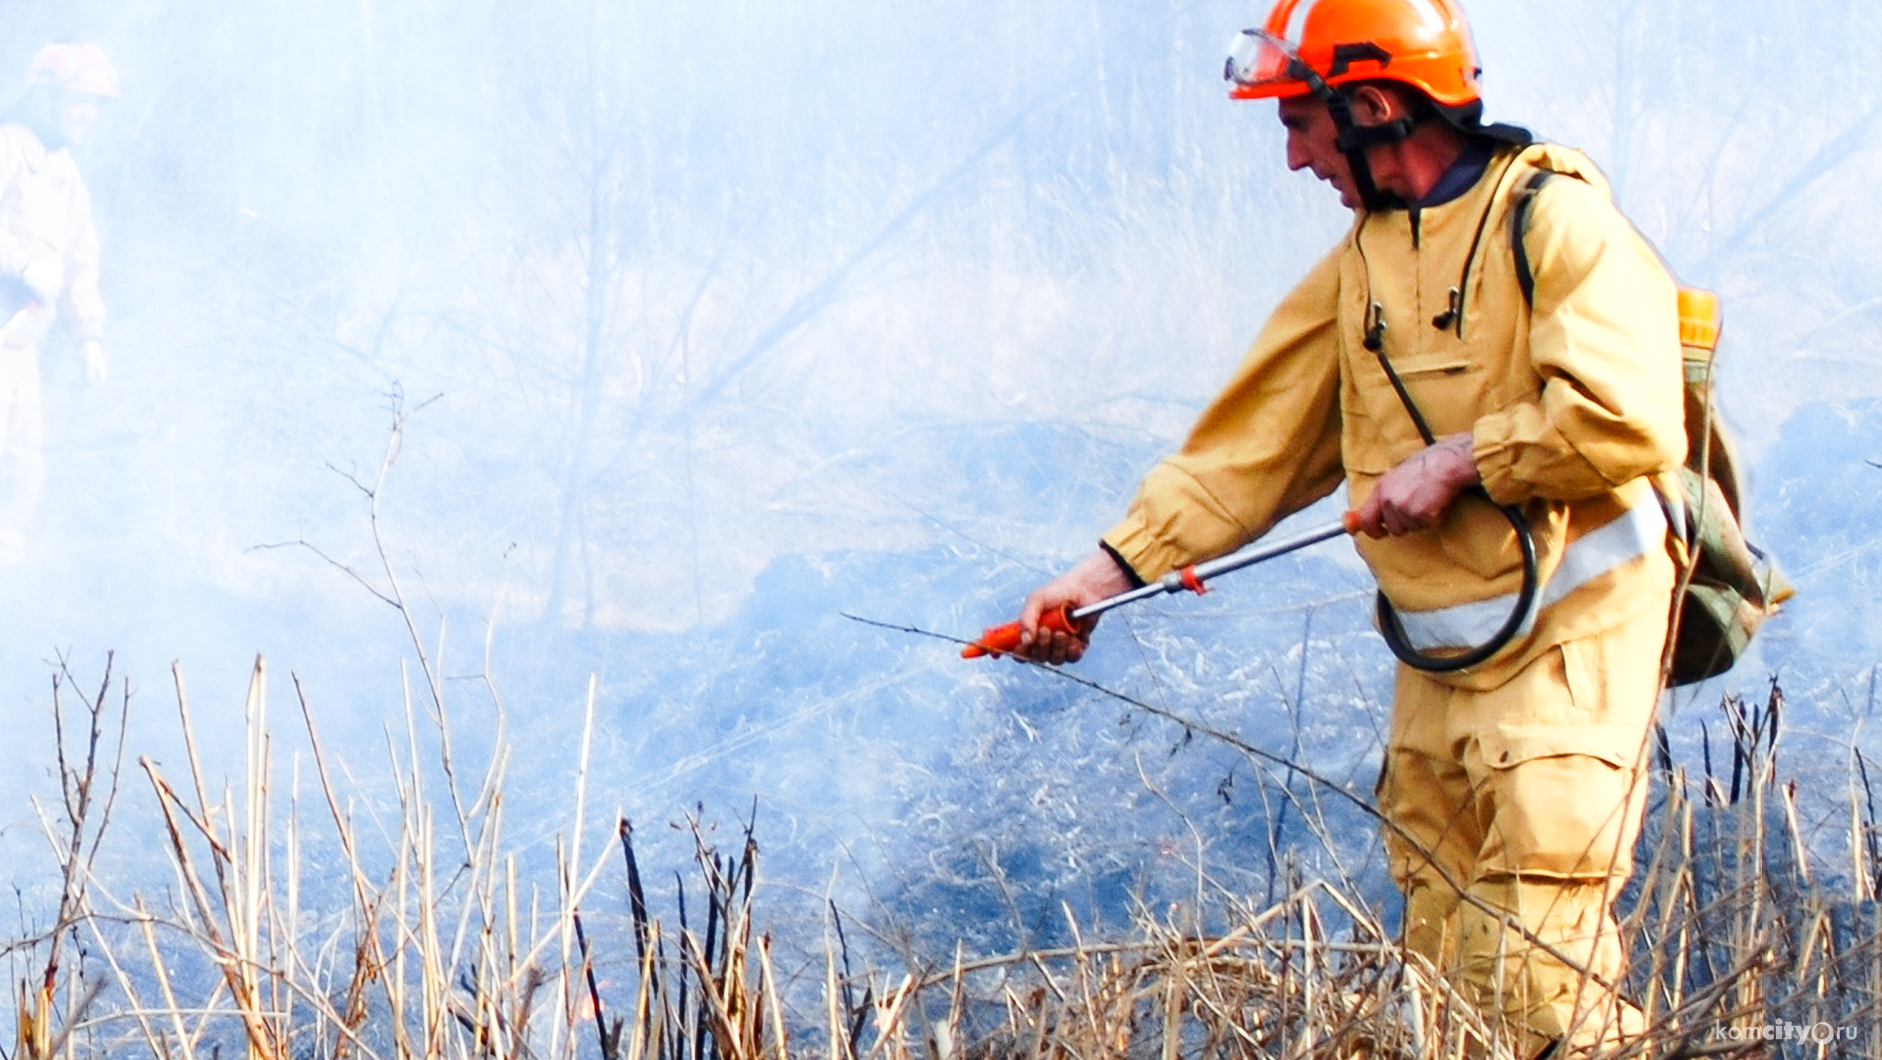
pixel 701 324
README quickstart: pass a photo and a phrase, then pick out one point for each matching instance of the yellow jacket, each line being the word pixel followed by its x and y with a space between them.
pixel 1572 405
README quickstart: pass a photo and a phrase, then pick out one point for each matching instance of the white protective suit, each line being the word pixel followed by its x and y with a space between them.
pixel 48 268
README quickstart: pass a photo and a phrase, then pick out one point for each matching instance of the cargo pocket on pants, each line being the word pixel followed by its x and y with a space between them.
pixel 1560 800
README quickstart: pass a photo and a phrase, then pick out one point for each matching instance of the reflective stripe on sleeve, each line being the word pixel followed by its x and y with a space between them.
pixel 1626 538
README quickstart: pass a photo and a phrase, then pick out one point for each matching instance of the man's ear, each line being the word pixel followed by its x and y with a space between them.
pixel 1373 105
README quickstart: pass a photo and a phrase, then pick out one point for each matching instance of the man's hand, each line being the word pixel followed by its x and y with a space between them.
pixel 1414 495
pixel 93 352
pixel 1096 577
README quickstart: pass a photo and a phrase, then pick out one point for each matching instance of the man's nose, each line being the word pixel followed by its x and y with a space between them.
pixel 1297 157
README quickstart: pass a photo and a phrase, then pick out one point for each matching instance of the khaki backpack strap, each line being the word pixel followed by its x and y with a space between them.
pixel 1519 223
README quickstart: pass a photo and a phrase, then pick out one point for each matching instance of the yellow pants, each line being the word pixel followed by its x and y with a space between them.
pixel 1519 806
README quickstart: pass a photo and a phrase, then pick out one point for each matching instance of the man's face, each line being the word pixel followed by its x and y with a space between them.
pixel 72 115
pixel 1313 143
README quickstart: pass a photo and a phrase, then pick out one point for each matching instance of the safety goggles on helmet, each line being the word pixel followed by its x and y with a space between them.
pixel 1261 63
pixel 1424 44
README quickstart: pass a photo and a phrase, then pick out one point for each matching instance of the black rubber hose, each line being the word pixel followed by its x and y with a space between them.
pixel 1394 632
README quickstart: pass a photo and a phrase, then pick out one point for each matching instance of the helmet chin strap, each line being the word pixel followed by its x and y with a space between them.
pixel 1353 138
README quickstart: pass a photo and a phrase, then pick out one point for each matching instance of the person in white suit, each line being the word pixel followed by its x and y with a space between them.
pixel 48 259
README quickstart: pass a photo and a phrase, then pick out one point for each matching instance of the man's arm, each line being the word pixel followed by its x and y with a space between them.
pixel 15 254
pixel 84 301
pixel 1267 446
pixel 1604 336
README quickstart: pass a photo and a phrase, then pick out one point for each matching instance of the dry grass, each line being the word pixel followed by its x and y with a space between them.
pixel 451 943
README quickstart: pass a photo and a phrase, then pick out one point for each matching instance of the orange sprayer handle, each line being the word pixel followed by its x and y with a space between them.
pixel 998 640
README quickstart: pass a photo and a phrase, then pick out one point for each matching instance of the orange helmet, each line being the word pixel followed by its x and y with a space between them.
pixel 75 68
pixel 1421 43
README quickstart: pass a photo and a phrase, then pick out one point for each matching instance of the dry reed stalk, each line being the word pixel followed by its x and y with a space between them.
pixel 231 917
pixel 449 951
pixel 241 909
pixel 835 1026
pixel 1779 951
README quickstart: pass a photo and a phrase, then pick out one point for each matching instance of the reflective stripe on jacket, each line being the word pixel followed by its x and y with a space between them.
pixel 1571 404
pixel 1636 533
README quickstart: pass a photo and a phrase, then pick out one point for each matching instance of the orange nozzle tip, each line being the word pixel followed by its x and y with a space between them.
pixel 995 641
pixel 1351 522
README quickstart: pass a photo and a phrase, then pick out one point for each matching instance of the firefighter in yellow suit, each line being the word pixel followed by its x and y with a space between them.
pixel 1512 790
pixel 48 258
